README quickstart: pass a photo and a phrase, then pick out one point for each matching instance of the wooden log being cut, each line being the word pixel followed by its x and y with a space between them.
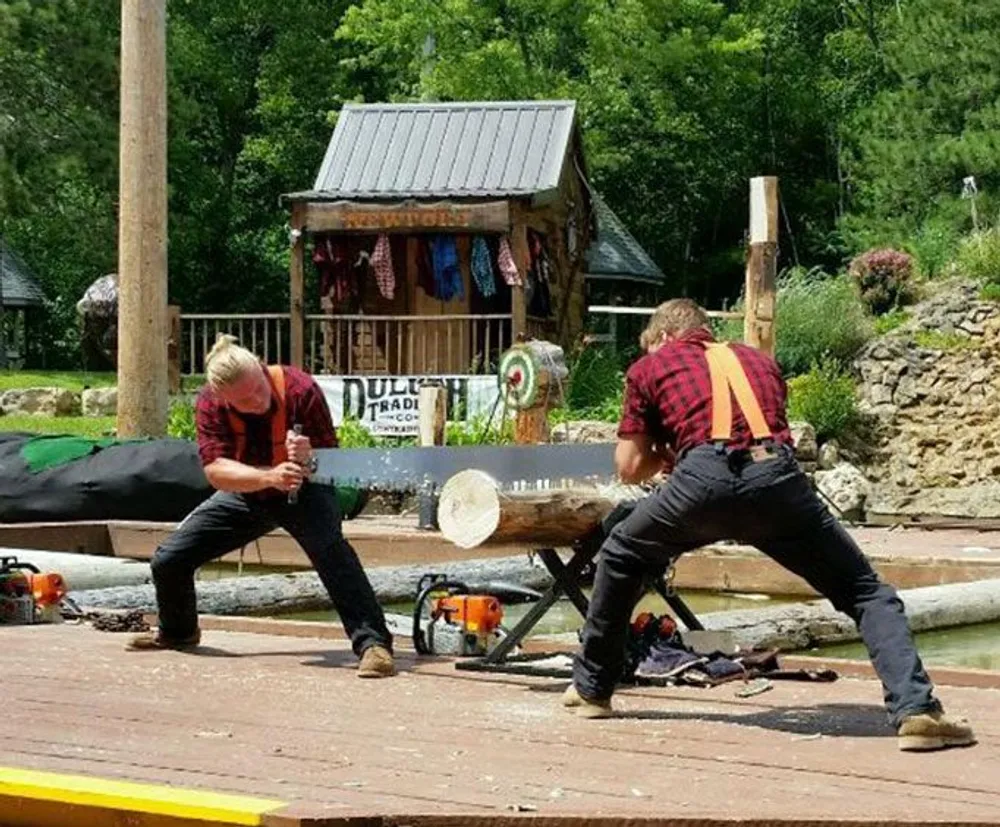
pixel 474 511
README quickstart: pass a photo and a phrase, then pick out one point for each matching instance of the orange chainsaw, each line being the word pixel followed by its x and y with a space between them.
pixel 451 618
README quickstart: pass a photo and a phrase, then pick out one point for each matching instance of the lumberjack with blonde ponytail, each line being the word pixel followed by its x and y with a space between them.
pixel 227 362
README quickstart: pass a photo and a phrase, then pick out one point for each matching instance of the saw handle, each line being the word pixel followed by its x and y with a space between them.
pixel 293 496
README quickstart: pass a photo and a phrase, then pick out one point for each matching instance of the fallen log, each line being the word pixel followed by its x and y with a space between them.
pixel 81 571
pixel 798 626
pixel 303 591
pixel 474 511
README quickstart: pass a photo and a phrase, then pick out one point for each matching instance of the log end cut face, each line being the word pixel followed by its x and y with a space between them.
pixel 469 508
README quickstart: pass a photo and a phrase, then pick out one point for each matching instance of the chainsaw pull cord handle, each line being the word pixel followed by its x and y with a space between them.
pixel 419 637
pixel 293 496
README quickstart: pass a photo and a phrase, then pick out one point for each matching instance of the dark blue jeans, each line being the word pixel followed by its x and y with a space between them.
pixel 225 522
pixel 713 496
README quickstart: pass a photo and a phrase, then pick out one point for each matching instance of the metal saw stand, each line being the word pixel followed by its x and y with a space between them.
pixel 566 578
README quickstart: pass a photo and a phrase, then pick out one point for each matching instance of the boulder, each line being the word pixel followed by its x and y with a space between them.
pixel 829 455
pixel 847 488
pixel 585 430
pixel 42 401
pixel 100 402
pixel 804 437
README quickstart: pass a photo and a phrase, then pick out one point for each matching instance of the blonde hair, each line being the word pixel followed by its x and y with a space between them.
pixel 227 362
pixel 673 317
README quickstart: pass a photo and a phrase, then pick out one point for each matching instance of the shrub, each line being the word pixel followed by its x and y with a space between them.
pixel 990 293
pixel 979 256
pixel 180 420
pixel 824 397
pixel 883 279
pixel 934 247
pixel 595 377
pixel 818 318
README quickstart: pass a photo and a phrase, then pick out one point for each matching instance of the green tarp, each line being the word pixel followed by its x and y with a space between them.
pixel 44 452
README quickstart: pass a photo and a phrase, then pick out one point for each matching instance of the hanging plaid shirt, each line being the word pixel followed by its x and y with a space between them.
pixel 668 395
pixel 505 261
pixel 382 265
pixel 482 267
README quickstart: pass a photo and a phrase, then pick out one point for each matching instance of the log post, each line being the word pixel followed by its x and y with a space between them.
pixel 473 511
pixel 762 265
pixel 174 349
pixel 142 221
pixel 297 308
pixel 522 258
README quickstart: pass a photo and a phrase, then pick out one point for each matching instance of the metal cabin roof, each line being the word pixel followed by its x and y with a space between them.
pixel 445 150
pixel 615 254
pixel 18 287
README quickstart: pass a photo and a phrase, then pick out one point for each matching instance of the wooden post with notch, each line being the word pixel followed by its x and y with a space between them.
pixel 142 221
pixel 432 412
pixel 522 258
pixel 762 265
pixel 297 308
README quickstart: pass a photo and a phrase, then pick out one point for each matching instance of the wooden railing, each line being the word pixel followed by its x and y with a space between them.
pixel 406 345
pixel 621 325
pixel 266 334
pixel 358 344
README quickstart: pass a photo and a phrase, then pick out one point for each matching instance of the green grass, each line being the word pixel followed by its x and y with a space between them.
pixel 935 340
pixel 990 293
pixel 70 380
pixel 95 426
pixel 890 321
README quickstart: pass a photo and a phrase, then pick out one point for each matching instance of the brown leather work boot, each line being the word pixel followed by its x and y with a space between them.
pixel 586 707
pixel 154 641
pixel 376 662
pixel 934 730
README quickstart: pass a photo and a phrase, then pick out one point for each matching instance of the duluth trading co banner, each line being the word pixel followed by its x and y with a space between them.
pixel 387 405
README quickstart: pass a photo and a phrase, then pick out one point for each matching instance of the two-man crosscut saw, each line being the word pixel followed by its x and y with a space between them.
pixel 514 467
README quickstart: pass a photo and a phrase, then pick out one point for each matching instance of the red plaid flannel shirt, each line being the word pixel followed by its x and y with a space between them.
pixel 304 405
pixel 668 395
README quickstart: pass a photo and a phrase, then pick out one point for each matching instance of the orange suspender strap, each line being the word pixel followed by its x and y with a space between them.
pixel 727 374
pixel 279 428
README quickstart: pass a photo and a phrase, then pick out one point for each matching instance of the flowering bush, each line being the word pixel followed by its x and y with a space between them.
pixel 883 279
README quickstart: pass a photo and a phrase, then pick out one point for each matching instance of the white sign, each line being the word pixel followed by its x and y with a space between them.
pixel 388 405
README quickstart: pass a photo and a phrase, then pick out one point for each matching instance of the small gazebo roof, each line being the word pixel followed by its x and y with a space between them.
pixel 615 254
pixel 18 287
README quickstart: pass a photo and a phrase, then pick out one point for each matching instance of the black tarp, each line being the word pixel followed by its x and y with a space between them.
pixel 159 480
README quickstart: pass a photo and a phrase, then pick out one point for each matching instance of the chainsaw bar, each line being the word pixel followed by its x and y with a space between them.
pixel 514 467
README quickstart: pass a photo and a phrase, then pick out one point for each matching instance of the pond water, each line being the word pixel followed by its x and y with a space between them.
pixel 975 647
pixel 972 647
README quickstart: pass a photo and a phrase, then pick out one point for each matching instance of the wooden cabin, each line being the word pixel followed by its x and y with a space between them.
pixel 436 234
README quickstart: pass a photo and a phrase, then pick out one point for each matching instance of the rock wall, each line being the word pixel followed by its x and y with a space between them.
pixel 933 389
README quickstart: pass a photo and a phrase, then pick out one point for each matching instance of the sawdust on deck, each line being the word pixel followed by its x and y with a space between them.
pixel 286 718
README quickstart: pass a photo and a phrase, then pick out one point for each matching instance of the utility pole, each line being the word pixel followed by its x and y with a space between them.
pixel 142 221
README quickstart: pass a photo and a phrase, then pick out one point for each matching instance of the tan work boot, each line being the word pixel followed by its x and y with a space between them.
pixel 934 730
pixel 376 662
pixel 586 707
pixel 154 641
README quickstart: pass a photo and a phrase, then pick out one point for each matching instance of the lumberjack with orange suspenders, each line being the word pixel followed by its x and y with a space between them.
pixel 736 478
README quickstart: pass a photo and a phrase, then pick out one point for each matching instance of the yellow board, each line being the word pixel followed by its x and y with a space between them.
pixel 141 798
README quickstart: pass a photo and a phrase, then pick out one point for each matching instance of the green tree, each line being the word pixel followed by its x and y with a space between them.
pixel 937 122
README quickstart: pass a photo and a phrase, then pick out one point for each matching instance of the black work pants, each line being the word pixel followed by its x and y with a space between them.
pixel 226 521
pixel 769 504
